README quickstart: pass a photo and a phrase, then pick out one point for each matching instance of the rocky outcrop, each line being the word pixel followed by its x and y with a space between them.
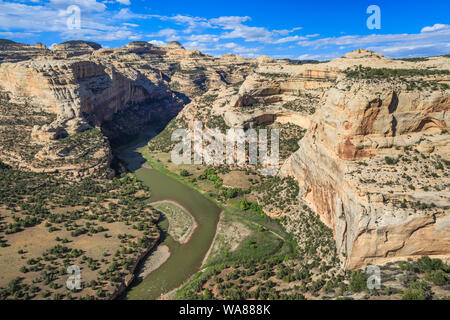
pixel 278 90
pixel 118 90
pixel 11 51
pixel 374 167
pixel 74 48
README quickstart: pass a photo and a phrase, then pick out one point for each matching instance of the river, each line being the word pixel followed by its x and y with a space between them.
pixel 185 259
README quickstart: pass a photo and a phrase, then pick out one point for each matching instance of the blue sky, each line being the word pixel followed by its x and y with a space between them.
pixel 281 29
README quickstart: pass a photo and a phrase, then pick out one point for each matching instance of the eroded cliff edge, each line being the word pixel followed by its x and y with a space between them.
pixel 374 165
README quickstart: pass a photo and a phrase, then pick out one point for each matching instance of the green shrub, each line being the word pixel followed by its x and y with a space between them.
pixel 390 160
pixel 418 290
pixel 438 277
pixel 184 173
pixel 358 281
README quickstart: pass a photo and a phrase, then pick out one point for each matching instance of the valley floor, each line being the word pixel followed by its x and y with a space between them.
pixel 256 257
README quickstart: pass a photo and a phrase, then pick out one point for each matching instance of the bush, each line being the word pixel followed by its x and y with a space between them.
pixel 390 160
pixel 184 173
pixel 427 264
pixel 414 294
pixel 418 290
pixel 231 193
pixel 438 277
pixel 244 205
pixel 358 281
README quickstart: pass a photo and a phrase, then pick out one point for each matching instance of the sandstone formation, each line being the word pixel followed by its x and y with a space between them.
pixel 373 164
pixel 11 51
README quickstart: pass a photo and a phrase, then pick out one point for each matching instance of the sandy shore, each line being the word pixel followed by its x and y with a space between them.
pixel 155 259
pixel 214 239
pixel 146 166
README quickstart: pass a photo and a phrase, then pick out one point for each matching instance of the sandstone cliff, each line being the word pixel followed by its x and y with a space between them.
pixel 117 90
pixel 374 165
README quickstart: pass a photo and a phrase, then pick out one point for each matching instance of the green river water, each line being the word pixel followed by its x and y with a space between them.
pixel 185 259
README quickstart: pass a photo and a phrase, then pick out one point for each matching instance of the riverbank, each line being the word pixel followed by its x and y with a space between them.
pixel 185 258
pixel 150 164
pixel 214 240
pixel 154 260
pixel 125 285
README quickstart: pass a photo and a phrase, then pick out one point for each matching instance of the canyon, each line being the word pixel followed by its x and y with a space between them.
pixel 373 163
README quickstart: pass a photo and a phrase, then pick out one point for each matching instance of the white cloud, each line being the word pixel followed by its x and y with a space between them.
pixel 124 2
pixel 229 22
pixel 436 27
pixel 250 34
pixel 127 14
pixel 285 32
pixel 9 34
pixel 203 38
pixel 89 5
pixel 168 33
pixel 157 42
pixel 221 34
pixel 289 39
pixel 134 25
pixel 192 23
pixel 30 18
pixel 233 26
pixel 319 56
pixel 357 40
pixel 96 23
pixel 433 41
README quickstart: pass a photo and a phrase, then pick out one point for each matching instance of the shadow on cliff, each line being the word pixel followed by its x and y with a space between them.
pixel 133 127
pixel 126 156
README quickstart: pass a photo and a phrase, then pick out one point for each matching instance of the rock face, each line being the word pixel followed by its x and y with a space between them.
pixel 75 48
pixel 118 90
pixel 374 166
pixel 11 51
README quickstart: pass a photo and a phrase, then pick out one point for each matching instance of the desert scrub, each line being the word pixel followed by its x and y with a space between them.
pixel 216 121
pixel 73 211
pixel 384 73
pixel 276 191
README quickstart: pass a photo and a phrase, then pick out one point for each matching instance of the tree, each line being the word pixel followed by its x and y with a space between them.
pixel 207 295
pixel 418 290
pixel 358 281
pixel 184 173
pixel 244 205
pixel 437 277
pixel 231 193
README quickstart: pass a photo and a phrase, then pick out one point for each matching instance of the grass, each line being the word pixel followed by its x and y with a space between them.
pixel 161 168
pixel 265 238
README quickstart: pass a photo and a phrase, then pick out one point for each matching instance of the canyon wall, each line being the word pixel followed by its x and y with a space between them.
pixel 379 209
pixel 373 163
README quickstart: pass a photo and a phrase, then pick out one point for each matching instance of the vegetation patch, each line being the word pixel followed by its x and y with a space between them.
pixel 181 223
